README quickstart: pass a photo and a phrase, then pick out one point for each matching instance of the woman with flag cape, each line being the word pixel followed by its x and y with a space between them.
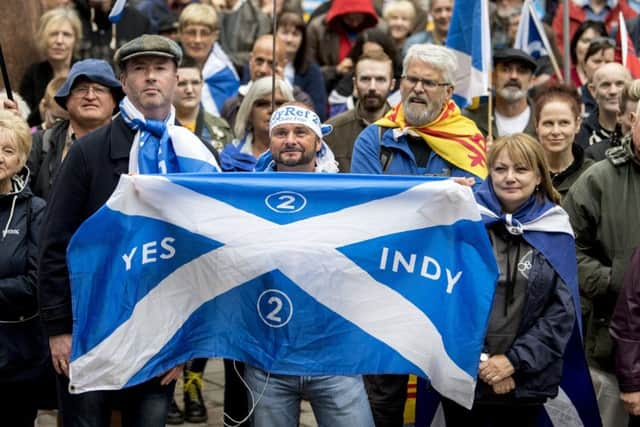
pixel 536 300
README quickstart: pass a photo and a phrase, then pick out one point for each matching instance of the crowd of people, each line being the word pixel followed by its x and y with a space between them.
pixel 344 86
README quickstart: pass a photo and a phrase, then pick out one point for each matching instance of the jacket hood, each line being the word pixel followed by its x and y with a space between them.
pixel 19 185
pixel 342 7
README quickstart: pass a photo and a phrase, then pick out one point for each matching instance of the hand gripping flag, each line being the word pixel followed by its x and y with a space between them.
pixel 301 274
pixel 469 38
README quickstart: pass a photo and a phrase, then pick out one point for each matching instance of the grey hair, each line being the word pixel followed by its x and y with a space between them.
pixel 258 89
pixel 439 57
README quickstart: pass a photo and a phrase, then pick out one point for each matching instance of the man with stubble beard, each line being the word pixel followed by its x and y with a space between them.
pixel 373 81
pixel 512 77
pixel 425 134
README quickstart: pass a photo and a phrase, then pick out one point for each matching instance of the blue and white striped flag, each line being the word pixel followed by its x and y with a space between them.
pixel 221 79
pixel 530 36
pixel 301 274
pixel 116 11
pixel 470 39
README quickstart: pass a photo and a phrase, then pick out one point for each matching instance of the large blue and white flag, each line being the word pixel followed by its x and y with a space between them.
pixel 530 36
pixel 221 79
pixel 300 274
pixel 470 38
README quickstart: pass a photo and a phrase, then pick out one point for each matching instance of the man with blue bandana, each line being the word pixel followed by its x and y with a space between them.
pixel 337 401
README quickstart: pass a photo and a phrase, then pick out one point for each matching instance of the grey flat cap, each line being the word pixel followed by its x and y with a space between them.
pixel 148 45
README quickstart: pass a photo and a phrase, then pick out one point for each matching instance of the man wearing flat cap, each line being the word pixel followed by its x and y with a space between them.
pixel 90 95
pixel 512 78
pixel 142 138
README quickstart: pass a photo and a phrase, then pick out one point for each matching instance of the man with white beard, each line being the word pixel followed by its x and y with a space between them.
pixel 512 77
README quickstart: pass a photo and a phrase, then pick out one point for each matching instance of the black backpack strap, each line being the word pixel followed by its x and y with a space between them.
pixel 386 154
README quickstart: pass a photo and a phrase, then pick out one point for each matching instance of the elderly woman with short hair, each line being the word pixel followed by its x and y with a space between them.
pixel 24 352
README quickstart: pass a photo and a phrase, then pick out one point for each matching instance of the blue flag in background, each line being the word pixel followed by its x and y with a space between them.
pixel 116 11
pixel 530 36
pixel 470 39
pixel 221 80
pixel 301 274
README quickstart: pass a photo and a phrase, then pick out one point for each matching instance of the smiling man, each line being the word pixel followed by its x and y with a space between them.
pixel 512 77
pixel 606 87
pixel 423 135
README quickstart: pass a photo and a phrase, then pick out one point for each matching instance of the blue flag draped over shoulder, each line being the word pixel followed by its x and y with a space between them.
pixel 470 39
pixel 546 227
pixel 302 274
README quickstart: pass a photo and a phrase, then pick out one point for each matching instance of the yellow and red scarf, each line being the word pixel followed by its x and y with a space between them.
pixel 452 136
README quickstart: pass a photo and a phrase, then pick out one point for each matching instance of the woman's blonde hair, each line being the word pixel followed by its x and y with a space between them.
pixel 198 14
pixel 399 6
pixel 523 149
pixel 17 129
pixel 51 20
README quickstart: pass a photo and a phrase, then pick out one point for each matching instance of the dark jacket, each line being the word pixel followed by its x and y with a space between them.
pixel 625 328
pixel 24 350
pixel 45 157
pixel 564 180
pixel 85 181
pixel 602 206
pixel 591 132
pixel 32 87
pixel 546 324
pixel 346 128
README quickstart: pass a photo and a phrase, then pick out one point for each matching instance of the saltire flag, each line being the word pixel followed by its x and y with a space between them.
pixel 530 36
pixel 116 11
pixel 625 51
pixel 470 39
pixel 299 274
pixel 221 80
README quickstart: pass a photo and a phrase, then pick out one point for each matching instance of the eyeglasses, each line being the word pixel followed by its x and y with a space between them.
pixel 83 90
pixel 426 83
pixel 602 42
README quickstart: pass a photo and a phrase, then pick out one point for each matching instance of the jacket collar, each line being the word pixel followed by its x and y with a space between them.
pixel 121 139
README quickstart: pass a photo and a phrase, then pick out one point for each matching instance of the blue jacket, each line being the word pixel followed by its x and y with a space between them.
pixel 366 156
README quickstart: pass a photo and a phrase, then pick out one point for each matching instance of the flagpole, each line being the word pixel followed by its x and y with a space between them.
pixel 545 41
pixel 273 60
pixel 5 75
pixel 565 40
pixel 490 90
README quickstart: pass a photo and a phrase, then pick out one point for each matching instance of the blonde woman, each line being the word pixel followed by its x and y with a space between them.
pixel 59 32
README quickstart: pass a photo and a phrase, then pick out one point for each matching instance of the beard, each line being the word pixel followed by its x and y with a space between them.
pixel 372 102
pixel 417 114
pixel 304 158
pixel 511 93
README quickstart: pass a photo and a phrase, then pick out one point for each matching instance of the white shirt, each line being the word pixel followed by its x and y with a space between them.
pixel 509 125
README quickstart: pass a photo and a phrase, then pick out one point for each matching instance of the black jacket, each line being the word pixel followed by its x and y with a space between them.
pixel 86 179
pixel 24 350
pixel 45 157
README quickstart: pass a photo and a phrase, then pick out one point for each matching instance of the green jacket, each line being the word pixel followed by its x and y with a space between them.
pixel 603 205
pixel 214 130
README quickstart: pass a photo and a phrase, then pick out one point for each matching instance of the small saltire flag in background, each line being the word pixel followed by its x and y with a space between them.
pixel 300 274
pixel 625 51
pixel 116 11
pixel 222 81
pixel 470 39
pixel 530 36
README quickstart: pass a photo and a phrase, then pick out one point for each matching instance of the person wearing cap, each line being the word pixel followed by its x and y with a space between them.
pixel 337 400
pixel 143 138
pixel 512 78
pixel 90 95
pixel 425 134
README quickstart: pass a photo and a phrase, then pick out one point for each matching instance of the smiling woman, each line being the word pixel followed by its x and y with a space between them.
pixel 557 118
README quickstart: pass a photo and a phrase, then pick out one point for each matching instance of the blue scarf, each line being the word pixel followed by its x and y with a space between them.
pixel 162 147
